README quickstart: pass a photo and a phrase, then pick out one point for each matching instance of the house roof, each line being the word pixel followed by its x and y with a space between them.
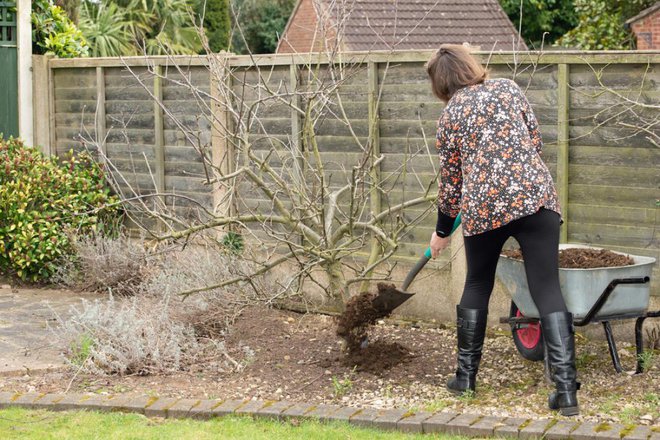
pixel 648 11
pixel 422 24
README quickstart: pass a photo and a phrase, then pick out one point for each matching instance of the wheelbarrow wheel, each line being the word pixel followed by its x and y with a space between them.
pixel 528 338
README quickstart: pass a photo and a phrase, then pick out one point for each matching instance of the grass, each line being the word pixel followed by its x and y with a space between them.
pixel 17 423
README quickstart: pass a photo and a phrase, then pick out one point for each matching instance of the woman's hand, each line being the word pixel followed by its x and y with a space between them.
pixel 437 244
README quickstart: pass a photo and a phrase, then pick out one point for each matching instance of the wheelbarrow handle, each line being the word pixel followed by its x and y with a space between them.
pixel 638 280
pixel 424 259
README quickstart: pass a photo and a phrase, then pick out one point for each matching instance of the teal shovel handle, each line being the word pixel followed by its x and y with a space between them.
pixel 425 259
pixel 457 223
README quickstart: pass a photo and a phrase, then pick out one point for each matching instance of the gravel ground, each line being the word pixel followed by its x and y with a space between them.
pixel 298 357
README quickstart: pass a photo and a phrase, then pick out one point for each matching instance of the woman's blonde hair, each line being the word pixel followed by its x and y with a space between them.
pixel 452 68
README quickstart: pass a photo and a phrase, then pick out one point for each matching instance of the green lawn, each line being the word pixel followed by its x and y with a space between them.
pixel 22 424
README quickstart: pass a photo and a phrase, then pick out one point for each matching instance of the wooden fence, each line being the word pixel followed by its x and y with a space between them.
pixel 596 112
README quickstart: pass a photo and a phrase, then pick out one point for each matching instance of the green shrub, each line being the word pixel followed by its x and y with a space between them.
pixel 54 33
pixel 43 201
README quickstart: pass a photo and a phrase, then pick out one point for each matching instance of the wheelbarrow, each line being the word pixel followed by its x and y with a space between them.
pixel 598 295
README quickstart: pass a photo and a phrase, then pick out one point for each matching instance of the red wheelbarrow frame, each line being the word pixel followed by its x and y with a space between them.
pixel 522 322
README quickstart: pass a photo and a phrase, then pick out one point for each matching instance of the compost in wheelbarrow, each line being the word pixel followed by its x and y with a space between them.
pixel 592 295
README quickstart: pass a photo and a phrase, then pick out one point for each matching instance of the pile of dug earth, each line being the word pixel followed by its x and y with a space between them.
pixel 361 312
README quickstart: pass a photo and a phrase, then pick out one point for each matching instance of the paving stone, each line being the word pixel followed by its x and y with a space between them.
pixel 114 403
pixel 6 399
pixel 560 430
pixel 364 417
pixel 509 427
pixel 70 402
pixel 297 410
pixel 251 407
pixel 204 409
pixel 47 401
pixel 586 431
pixel 26 400
pixel 438 421
pixel 227 407
pixel 460 425
pixel 388 419
pixel 94 403
pixel 343 414
pixel 413 422
pixel 609 431
pixel 136 404
pixel 322 412
pixel 485 427
pixel 159 407
pixel 273 410
pixel 535 429
pixel 181 408
pixel 639 432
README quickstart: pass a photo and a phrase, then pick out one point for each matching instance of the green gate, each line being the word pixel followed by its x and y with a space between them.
pixel 8 70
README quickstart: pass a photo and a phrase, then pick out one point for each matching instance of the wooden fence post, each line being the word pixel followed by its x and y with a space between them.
pixel 41 82
pixel 100 113
pixel 563 104
pixel 222 152
pixel 295 115
pixel 159 135
pixel 52 134
pixel 374 133
pixel 374 146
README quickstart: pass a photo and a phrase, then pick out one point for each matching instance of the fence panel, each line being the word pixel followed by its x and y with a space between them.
pixel 596 112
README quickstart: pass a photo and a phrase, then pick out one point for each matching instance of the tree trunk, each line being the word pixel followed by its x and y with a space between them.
pixel 337 284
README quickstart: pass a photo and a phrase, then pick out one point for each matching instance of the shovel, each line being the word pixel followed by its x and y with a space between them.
pixel 389 298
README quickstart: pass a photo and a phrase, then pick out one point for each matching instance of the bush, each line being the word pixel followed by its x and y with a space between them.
pixel 212 311
pixel 54 33
pixel 155 331
pixel 100 263
pixel 127 337
pixel 42 203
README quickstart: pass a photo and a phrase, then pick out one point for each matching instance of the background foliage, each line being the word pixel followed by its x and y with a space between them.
pixel 601 24
pixel 556 17
pixel 580 24
pixel 217 23
pixel 53 33
pixel 258 24
pixel 42 203
pixel 134 27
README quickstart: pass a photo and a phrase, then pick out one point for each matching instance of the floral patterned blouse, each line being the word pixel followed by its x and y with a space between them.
pixel 489 146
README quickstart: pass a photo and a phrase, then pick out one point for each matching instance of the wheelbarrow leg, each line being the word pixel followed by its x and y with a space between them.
pixel 612 347
pixel 639 343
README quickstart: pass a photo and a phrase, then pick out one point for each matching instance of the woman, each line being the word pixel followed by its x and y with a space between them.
pixel 492 173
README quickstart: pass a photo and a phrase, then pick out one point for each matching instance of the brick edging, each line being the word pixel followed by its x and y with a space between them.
pixel 449 422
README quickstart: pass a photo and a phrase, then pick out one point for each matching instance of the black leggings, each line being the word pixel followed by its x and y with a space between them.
pixel 538 236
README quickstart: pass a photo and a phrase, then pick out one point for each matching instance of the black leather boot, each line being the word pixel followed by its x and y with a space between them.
pixel 559 337
pixel 471 328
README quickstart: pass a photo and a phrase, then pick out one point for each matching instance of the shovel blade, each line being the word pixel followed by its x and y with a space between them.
pixel 390 298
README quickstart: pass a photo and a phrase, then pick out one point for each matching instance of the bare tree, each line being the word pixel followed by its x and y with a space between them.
pixel 297 195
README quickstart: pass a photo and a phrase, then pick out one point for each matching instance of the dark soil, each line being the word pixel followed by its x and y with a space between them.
pixel 377 357
pixel 361 313
pixel 579 258
pixel 298 357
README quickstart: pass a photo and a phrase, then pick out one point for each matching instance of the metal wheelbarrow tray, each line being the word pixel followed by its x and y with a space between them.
pixel 592 295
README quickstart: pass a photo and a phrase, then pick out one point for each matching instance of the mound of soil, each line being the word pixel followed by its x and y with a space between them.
pixel 360 314
pixel 377 357
pixel 580 258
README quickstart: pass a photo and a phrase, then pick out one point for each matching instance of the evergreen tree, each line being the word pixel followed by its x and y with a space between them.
pixel 217 23
pixel 259 24
pixel 543 21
